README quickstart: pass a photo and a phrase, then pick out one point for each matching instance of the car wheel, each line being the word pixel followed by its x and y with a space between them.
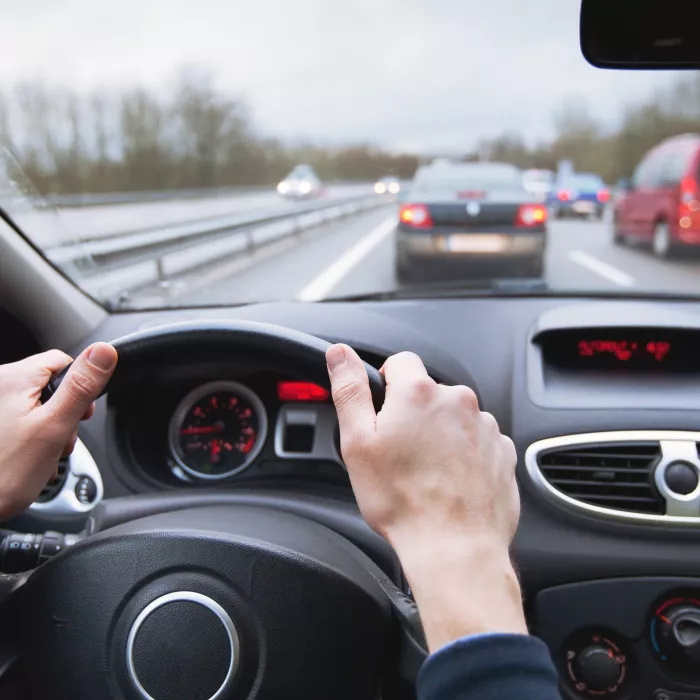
pixel 661 242
pixel 405 269
pixel 535 268
pixel 619 237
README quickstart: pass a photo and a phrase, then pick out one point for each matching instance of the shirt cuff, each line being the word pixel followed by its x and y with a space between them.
pixel 490 666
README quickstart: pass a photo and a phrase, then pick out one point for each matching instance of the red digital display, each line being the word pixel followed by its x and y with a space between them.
pixel 625 350
pixel 301 391
pixel 628 350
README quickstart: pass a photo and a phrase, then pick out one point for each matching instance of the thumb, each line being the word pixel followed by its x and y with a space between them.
pixel 351 396
pixel 83 383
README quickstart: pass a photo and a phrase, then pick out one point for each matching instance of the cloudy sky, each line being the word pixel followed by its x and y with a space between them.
pixel 409 74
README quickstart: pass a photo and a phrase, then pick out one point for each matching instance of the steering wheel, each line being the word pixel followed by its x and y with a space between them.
pixel 213 598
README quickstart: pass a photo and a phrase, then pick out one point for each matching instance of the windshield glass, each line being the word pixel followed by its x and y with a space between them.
pixel 218 152
pixel 458 178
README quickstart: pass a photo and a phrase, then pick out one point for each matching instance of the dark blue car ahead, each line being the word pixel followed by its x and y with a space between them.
pixel 580 195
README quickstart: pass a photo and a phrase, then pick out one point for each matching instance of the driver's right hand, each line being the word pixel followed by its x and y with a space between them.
pixel 434 475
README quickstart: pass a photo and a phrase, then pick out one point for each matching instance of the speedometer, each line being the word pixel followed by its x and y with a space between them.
pixel 217 430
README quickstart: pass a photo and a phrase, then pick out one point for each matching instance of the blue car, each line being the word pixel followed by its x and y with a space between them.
pixel 582 195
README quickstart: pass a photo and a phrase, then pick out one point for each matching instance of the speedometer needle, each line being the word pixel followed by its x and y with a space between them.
pixel 203 430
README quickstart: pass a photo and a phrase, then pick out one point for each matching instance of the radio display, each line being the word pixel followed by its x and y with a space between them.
pixel 617 349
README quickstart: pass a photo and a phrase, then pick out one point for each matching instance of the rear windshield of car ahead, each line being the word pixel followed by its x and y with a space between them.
pixel 589 183
pixel 475 179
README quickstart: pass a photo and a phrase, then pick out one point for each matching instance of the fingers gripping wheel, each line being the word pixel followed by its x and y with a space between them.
pixel 289 350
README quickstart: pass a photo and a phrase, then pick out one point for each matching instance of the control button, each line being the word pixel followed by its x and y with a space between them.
pixel 51 546
pixel 681 478
pixel 675 636
pixel 661 694
pixel 679 633
pixel 86 490
pixel 596 664
pixel 598 667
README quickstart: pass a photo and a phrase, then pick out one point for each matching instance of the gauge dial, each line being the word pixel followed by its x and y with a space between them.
pixel 217 430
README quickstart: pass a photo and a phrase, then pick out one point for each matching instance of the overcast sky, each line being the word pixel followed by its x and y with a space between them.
pixel 420 75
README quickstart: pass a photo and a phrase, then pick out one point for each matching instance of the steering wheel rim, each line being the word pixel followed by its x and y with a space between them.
pixel 168 545
pixel 294 351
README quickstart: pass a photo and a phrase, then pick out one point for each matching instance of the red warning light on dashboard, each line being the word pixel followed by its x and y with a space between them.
pixel 301 391
pixel 624 350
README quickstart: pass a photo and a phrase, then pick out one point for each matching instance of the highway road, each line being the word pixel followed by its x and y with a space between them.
pixel 356 256
pixel 49 228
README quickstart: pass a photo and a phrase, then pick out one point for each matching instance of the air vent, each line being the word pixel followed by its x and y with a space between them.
pixel 613 475
pixel 55 484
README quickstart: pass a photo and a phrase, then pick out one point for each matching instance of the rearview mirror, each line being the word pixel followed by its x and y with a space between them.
pixel 641 33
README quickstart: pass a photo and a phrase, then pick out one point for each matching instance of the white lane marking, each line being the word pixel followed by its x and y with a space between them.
pixel 610 273
pixel 320 285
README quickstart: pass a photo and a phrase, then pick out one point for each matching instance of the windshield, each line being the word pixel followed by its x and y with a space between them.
pixel 591 183
pixel 470 177
pixel 220 152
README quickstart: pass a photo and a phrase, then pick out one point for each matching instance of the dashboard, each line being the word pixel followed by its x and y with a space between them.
pixel 601 398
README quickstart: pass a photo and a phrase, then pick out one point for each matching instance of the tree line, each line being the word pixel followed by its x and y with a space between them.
pixel 133 139
pixel 197 136
pixel 612 153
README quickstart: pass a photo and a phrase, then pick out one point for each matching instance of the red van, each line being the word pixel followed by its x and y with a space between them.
pixel 661 206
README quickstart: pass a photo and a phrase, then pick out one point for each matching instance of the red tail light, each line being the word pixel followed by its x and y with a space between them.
pixel 415 215
pixel 531 215
pixel 603 196
pixel 471 194
pixel 689 189
pixel 301 391
pixel 563 195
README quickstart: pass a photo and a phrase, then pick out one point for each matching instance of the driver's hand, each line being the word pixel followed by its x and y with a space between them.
pixel 33 437
pixel 435 477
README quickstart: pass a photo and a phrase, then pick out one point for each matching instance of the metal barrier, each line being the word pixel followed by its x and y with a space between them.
pixel 111 267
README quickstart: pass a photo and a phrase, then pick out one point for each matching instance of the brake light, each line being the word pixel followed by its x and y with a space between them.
pixel 603 196
pixel 689 189
pixel 471 194
pixel 415 215
pixel 563 195
pixel 301 391
pixel 531 215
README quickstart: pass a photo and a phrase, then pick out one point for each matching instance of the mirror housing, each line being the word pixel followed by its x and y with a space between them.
pixel 641 34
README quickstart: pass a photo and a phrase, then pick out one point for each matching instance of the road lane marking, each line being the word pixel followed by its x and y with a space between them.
pixel 320 285
pixel 610 273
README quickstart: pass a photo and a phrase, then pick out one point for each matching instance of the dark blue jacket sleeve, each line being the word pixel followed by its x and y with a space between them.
pixel 490 667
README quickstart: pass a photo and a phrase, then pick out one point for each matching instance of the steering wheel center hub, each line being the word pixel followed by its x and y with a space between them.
pixel 183 644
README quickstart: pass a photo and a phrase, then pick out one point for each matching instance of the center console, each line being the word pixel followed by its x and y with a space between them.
pixel 624 639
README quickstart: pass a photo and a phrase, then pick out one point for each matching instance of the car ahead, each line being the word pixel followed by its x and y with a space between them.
pixel 661 205
pixel 474 219
pixel 582 195
pixel 539 183
pixel 301 183
pixel 387 185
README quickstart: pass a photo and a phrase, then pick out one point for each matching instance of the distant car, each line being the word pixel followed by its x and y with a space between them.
pixel 661 206
pixel 388 185
pixel 301 183
pixel 582 195
pixel 538 183
pixel 472 219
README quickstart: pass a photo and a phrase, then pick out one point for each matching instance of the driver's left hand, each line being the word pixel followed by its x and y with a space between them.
pixel 33 437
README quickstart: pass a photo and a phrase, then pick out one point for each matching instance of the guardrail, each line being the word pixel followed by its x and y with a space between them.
pixel 107 198
pixel 110 268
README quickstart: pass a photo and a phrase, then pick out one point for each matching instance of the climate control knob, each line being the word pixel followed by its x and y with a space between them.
pixel 679 633
pixel 597 666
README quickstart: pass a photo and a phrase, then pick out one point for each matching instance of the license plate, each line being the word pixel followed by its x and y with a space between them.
pixel 584 207
pixel 477 243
